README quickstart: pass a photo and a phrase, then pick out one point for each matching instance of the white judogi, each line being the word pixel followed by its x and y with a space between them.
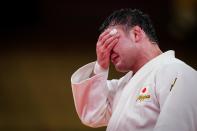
pixel 154 98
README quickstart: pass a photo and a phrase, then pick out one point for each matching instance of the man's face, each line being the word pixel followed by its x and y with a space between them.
pixel 123 55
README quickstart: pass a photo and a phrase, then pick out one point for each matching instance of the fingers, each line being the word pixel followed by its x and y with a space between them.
pixel 103 34
pixel 112 44
pixel 105 45
pixel 106 37
pixel 109 40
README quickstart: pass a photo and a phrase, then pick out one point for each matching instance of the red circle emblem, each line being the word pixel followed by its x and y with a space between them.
pixel 144 90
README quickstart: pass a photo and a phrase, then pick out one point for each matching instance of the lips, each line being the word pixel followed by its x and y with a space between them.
pixel 114 58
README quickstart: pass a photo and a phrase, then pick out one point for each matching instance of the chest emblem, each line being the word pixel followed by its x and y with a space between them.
pixel 144 94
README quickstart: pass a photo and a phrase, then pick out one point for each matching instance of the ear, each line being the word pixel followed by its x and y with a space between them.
pixel 137 34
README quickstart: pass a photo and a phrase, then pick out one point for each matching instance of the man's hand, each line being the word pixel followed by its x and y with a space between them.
pixel 105 44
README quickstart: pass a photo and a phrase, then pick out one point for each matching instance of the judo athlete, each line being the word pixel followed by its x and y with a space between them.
pixel 157 92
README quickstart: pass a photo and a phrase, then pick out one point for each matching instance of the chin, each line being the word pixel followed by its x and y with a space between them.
pixel 121 69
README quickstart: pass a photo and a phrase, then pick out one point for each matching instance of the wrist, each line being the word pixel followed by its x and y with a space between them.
pixel 98 68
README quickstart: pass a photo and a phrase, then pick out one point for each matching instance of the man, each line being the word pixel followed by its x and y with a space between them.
pixel 157 92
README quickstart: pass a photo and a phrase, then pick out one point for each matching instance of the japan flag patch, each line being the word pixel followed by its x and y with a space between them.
pixel 144 94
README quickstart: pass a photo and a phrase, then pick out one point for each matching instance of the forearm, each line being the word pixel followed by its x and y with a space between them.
pixel 90 96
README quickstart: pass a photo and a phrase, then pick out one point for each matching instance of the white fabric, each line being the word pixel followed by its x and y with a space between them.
pixel 142 102
pixel 98 69
pixel 113 32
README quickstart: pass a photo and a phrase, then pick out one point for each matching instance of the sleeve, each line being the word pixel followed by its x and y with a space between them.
pixel 93 95
pixel 165 79
pixel 179 112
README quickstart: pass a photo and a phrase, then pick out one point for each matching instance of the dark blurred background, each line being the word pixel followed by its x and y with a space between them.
pixel 44 41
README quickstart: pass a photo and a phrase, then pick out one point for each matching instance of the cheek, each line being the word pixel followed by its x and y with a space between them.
pixel 122 48
pixel 127 56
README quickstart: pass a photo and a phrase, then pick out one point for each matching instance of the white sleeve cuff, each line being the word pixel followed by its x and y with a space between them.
pixel 98 69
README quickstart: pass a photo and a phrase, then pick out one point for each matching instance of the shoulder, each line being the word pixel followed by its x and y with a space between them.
pixel 172 70
pixel 174 66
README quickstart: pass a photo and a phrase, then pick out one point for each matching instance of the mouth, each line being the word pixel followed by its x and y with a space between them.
pixel 114 58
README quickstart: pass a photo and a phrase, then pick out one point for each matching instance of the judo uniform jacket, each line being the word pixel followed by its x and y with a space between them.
pixel 160 96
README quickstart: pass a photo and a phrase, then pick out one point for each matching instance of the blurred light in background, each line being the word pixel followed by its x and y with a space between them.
pixel 184 17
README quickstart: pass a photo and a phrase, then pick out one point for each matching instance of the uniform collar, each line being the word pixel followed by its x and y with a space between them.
pixel 167 54
pixel 157 61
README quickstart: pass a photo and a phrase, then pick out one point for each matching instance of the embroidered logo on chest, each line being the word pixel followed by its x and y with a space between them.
pixel 144 94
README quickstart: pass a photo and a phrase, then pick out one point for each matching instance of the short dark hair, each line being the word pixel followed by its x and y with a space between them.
pixel 130 18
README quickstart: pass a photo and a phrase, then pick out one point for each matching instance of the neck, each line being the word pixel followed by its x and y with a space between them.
pixel 145 55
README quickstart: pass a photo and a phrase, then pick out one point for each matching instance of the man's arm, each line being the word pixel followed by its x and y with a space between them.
pixel 91 89
pixel 179 111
